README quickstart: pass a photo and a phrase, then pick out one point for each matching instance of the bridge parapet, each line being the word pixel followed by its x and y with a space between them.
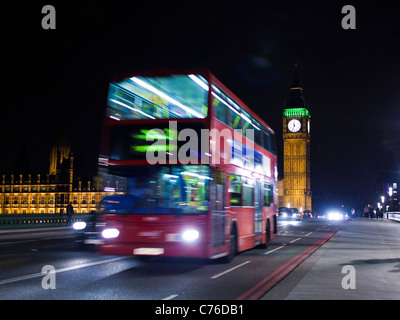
pixel 394 215
pixel 22 221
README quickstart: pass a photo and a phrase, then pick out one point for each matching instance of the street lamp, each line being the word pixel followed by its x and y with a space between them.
pixel 378 211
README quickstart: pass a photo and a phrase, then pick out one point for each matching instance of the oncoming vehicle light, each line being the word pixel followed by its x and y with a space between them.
pixel 79 225
pixel 110 233
pixel 190 235
pixel 334 215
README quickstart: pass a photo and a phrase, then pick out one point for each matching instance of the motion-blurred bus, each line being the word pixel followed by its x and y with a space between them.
pixel 192 169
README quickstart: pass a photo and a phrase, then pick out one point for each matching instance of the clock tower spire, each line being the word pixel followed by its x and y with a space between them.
pixel 296 149
pixel 296 99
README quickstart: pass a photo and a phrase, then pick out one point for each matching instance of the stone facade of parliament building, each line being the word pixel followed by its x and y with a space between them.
pixel 50 193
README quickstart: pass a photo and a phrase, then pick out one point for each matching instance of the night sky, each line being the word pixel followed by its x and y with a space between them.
pixel 59 78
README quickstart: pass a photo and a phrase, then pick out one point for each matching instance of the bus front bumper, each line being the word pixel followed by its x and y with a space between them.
pixel 155 249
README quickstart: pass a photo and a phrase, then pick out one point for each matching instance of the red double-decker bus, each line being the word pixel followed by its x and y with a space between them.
pixel 192 168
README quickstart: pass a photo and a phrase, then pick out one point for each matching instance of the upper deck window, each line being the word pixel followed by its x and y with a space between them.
pixel 175 96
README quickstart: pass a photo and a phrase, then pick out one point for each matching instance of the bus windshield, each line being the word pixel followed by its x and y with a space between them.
pixel 168 97
pixel 169 189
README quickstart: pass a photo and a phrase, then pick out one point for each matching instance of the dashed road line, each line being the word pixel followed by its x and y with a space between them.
pixel 79 266
pixel 172 296
pixel 268 252
pixel 229 270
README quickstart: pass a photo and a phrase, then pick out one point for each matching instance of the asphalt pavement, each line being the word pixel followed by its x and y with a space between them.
pixel 85 275
pixel 360 262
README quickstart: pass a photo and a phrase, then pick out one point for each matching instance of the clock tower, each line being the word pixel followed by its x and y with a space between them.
pixel 296 150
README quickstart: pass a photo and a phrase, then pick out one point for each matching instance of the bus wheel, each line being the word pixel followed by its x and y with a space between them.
pixel 233 245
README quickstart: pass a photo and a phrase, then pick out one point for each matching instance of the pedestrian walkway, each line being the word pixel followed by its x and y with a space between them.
pixel 370 247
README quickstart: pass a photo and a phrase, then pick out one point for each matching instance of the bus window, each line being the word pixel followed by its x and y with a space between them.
pixel 272 143
pixel 257 133
pixel 235 119
pixel 178 189
pixel 221 110
pixel 248 192
pixel 175 96
pixel 268 195
pixel 235 190
pixel 266 136
pixel 246 122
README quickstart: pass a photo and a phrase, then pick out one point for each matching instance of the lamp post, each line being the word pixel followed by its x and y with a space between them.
pixel 390 198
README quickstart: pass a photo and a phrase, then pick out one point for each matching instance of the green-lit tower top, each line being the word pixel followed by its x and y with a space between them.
pixel 296 105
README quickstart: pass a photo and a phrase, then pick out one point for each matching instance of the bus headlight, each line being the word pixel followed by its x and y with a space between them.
pixel 110 233
pixel 79 225
pixel 190 235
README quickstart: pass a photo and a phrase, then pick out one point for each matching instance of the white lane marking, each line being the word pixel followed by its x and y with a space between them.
pixel 229 270
pixel 294 240
pixel 308 234
pixel 79 266
pixel 268 252
pixel 29 276
pixel 170 297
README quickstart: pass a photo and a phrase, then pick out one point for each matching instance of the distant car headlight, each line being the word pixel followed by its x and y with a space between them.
pixel 284 215
pixel 110 233
pixel 80 225
pixel 190 235
pixel 334 215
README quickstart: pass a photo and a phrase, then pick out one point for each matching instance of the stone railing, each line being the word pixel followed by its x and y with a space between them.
pixel 393 216
pixel 20 221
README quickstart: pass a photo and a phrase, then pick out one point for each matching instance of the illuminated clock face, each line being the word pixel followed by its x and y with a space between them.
pixel 294 125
